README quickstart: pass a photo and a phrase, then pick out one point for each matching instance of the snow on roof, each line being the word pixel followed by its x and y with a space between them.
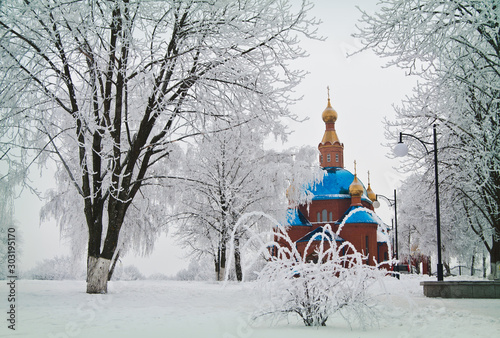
pixel 362 216
pixel 382 237
pixel 318 235
pixel 335 185
pixel 295 218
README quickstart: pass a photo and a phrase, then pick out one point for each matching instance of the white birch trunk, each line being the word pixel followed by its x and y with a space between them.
pixel 97 275
pixel 495 271
pixel 221 275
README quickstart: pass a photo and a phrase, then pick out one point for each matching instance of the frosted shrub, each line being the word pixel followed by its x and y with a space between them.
pixel 57 268
pixel 128 272
pixel 334 280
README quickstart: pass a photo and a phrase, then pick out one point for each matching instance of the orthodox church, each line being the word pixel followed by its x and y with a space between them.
pixel 333 199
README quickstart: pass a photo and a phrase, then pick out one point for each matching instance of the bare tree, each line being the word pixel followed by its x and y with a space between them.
pixel 106 87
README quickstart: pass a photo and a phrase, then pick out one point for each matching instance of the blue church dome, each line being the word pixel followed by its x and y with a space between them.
pixel 294 217
pixel 335 185
pixel 363 215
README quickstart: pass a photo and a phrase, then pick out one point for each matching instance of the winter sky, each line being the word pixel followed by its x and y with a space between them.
pixel 362 92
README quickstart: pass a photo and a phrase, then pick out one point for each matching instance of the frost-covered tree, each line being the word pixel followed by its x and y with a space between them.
pixel 128 272
pixel 106 88
pixel 417 224
pixel 12 178
pixel 454 46
pixel 229 174
pixel 57 268
pixel 199 269
pixel 7 221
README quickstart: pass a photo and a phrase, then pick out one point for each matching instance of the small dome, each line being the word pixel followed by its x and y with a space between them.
pixel 356 188
pixel 329 114
pixel 371 195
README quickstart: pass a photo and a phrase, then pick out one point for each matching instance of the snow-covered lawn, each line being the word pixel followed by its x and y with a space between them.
pixel 203 309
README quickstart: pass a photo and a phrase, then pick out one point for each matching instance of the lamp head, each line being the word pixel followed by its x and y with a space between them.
pixel 376 204
pixel 400 149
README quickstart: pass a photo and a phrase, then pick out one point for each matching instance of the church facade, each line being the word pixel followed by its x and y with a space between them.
pixel 333 199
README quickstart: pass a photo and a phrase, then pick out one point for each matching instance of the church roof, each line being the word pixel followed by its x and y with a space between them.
pixel 318 235
pixel 335 185
pixel 361 216
pixel 295 218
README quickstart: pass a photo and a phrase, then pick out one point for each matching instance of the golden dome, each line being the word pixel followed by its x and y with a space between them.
pixel 371 195
pixel 356 188
pixel 331 137
pixel 329 114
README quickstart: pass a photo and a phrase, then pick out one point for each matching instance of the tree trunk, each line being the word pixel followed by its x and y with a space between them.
pixel 237 260
pixel 221 264
pixel 495 260
pixel 97 274
pixel 110 274
pixel 472 265
pixel 484 265
pixel 447 268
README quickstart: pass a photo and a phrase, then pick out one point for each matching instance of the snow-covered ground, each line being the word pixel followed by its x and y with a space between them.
pixel 203 309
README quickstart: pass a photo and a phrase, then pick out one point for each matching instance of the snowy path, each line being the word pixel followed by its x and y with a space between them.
pixel 201 309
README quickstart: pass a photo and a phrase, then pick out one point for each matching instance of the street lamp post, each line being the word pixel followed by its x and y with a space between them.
pixel 400 150
pixel 391 202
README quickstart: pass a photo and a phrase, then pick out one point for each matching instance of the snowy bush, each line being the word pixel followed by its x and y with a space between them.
pixel 159 276
pixel 329 277
pixel 57 268
pixel 335 281
pixel 129 272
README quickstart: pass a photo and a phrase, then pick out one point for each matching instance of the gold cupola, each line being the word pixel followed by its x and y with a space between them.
pixel 356 188
pixel 332 151
pixel 371 195
pixel 329 114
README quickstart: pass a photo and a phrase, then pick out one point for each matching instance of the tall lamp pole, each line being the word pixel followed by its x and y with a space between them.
pixel 391 202
pixel 400 150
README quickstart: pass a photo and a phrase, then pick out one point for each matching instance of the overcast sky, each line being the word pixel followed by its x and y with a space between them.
pixel 362 92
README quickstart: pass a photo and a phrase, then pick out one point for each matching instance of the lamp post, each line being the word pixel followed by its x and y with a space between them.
pixel 400 150
pixel 391 202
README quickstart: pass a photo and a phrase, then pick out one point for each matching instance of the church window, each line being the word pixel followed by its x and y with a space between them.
pixel 331 217
pixel 367 251
pixel 318 218
pixel 321 158
pixel 324 215
pixel 336 157
pixel 328 158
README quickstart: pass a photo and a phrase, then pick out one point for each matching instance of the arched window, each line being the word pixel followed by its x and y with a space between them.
pixel 328 158
pixel 367 241
pixel 331 217
pixel 318 217
pixel 325 215
pixel 336 157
